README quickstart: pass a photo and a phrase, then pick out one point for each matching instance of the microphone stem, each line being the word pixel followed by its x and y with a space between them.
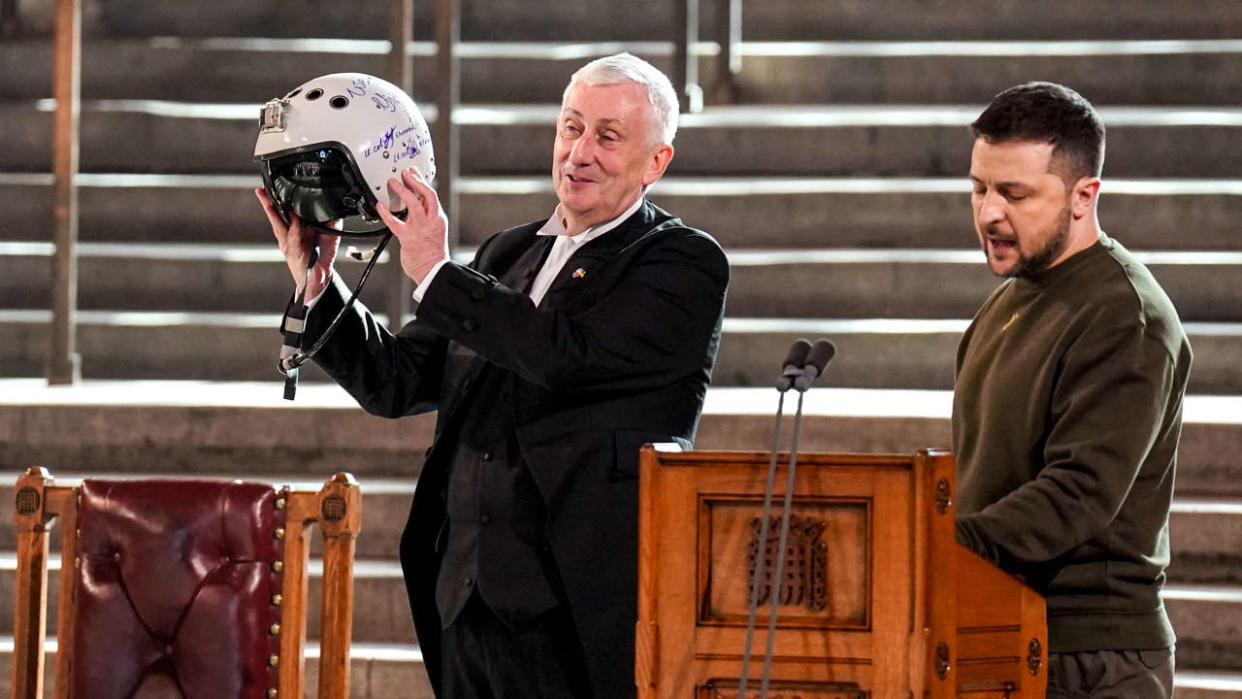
pixel 786 515
pixel 761 542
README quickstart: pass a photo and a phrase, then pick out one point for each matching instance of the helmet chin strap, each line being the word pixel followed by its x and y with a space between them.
pixel 291 355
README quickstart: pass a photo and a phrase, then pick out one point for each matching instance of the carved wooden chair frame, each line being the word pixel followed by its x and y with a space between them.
pixel 336 508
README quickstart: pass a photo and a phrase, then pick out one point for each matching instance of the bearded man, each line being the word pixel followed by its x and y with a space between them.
pixel 1067 406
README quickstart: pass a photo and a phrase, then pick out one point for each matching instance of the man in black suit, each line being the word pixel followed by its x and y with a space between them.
pixel 561 349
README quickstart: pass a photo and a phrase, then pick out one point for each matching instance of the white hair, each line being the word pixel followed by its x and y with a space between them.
pixel 622 68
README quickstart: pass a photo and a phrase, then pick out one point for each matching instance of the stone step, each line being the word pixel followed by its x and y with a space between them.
pixel 872 353
pixel 940 72
pixel 946 283
pixel 814 212
pixel 154 345
pixel 1208 621
pixel 849 140
pixel 376 670
pixel 978 19
pixel 1206 539
pixel 592 20
pixel 905 353
pixel 202 427
pixel 165 276
pixel 1201 684
pixel 1106 72
pixel 853 283
pixel 172 427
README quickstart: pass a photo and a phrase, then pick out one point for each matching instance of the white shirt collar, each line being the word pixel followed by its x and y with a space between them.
pixel 556 225
pixel 566 245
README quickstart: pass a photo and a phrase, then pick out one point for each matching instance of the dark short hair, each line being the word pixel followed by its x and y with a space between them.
pixel 1044 112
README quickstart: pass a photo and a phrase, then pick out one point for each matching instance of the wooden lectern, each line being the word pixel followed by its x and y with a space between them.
pixel 878 600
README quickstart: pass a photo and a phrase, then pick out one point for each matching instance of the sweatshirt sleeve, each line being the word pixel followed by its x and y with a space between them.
pixel 1107 409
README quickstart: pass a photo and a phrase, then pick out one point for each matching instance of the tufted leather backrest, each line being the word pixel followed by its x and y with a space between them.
pixel 176 586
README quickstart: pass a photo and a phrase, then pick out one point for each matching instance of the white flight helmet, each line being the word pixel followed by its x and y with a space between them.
pixel 327 149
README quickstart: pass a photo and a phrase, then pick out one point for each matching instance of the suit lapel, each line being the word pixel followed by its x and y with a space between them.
pixel 522 272
pixel 597 259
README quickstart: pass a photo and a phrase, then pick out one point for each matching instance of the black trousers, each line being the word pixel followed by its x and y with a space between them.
pixel 483 658
pixel 1111 674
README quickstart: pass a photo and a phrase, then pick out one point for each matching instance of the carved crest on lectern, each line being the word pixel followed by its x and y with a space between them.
pixel 805 571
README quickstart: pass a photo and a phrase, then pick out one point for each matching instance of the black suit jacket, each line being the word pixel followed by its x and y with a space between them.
pixel 618 354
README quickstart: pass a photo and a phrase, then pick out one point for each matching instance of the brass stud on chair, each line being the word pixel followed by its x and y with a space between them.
pixel 272 693
pixel 282 503
pixel 273 660
pixel 279 533
pixel 278 566
pixel 278 599
pixel 274 629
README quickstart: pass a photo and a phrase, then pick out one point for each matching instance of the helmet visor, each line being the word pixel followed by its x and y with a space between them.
pixel 321 185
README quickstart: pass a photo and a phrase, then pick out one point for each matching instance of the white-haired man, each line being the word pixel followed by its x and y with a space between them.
pixel 562 348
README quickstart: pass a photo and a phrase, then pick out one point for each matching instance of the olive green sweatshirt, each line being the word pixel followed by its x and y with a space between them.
pixel 1067 411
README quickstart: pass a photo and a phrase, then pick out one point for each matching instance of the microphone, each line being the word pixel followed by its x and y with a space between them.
pixel 820 355
pixel 792 367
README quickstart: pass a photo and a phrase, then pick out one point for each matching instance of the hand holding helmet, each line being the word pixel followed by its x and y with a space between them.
pixel 327 149
pixel 424 232
pixel 300 245
pixel 329 152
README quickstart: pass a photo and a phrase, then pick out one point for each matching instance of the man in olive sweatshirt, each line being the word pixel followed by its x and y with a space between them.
pixel 1067 406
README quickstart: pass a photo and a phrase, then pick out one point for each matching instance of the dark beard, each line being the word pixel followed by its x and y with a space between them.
pixel 1043 257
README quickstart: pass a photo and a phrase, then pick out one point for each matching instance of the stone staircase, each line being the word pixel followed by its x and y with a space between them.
pixel 837 186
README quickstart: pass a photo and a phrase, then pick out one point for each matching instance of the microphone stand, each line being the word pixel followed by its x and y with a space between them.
pixel 793 365
pixel 814 364
pixel 780 550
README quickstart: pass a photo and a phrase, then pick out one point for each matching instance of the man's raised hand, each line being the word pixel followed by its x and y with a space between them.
pixel 424 232
pixel 297 244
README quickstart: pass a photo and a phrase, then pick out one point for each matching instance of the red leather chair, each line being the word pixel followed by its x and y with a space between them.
pixel 182 588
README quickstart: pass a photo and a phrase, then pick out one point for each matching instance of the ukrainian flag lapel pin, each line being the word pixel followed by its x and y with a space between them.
pixel 579 273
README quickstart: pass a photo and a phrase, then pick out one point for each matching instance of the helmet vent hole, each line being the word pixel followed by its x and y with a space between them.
pixel 339 102
pixel 314 94
pixel 293 94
